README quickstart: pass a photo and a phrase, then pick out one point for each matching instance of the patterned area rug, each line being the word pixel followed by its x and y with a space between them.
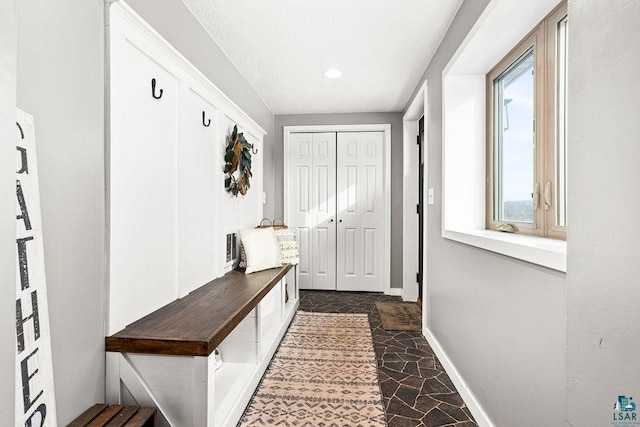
pixel 400 316
pixel 323 374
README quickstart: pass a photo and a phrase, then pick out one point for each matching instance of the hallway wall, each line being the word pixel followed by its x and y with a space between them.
pixel 604 254
pixel 61 83
pixel 501 321
pixel 7 205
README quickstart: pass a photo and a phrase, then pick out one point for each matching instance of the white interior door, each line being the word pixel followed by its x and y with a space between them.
pixel 360 228
pixel 312 206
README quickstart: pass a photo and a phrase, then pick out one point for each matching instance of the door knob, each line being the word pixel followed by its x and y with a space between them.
pixel 340 221
pixel 331 220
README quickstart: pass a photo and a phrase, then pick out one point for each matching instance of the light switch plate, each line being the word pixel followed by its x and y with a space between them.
pixel 430 197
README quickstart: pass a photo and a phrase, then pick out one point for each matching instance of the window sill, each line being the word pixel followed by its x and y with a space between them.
pixel 548 253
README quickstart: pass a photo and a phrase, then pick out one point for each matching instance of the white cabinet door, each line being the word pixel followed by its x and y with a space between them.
pixel 312 206
pixel 360 189
pixel 142 179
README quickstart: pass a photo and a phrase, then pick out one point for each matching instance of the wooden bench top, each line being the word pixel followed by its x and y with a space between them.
pixel 196 324
pixel 100 415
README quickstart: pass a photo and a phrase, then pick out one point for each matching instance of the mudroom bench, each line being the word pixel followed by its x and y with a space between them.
pixel 199 358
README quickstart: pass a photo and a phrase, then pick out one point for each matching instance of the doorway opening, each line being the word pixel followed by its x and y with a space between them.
pixel 415 218
pixel 421 208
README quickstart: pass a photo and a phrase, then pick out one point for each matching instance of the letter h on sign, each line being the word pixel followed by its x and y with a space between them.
pixel 20 321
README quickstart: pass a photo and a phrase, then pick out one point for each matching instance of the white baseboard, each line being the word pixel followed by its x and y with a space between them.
pixel 396 292
pixel 465 392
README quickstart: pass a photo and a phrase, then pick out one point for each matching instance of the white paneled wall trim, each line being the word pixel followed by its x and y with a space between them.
pixel 168 211
pixel 125 12
pixel 167 218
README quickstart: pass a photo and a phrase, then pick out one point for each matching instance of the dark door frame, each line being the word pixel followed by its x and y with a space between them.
pixel 421 208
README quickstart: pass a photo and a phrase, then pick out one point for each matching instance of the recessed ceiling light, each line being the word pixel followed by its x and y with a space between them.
pixel 332 73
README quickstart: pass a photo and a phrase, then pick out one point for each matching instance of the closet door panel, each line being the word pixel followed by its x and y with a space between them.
pixel 349 255
pixel 301 213
pixel 350 192
pixel 370 194
pixel 322 190
pixel 369 253
pixel 304 195
pixel 348 177
pixel 304 249
pixel 349 248
pixel 321 246
pixel 372 215
pixel 324 208
pixel 143 180
pixel 360 190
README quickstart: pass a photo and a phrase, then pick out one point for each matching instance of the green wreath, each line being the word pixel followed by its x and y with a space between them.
pixel 237 158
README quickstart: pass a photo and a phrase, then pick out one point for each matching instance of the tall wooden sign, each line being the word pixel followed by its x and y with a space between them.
pixel 35 397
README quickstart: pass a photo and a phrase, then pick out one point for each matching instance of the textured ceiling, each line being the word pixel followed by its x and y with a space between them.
pixel 283 47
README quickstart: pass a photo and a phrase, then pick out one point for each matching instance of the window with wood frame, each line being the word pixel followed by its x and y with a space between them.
pixel 526 133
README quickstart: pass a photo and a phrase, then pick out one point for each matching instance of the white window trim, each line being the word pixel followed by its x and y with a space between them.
pixel 503 24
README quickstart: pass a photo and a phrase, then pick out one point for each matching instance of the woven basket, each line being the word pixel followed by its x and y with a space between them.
pixel 267 223
pixel 281 225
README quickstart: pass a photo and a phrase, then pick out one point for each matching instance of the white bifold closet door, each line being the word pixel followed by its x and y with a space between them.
pixel 312 193
pixel 360 212
pixel 336 200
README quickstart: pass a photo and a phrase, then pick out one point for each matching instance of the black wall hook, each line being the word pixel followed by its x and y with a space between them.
pixel 207 123
pixel 21 131
pixel 254 150
pixel 153 90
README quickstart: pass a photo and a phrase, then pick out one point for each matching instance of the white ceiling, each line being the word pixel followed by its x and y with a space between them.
pixel 283 47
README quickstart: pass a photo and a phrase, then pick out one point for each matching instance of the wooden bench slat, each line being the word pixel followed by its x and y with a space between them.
pixel 105 416
pixel 123 416
pixel 87 416
pixel 116 416
pixel 143 415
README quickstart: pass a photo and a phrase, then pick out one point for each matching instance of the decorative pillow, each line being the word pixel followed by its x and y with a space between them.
pixel 262 249
pixel 288 241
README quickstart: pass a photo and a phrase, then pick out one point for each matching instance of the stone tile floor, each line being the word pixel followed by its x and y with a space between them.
pixel 415 388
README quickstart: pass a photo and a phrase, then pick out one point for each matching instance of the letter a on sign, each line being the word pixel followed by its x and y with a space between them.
pixel 35 398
